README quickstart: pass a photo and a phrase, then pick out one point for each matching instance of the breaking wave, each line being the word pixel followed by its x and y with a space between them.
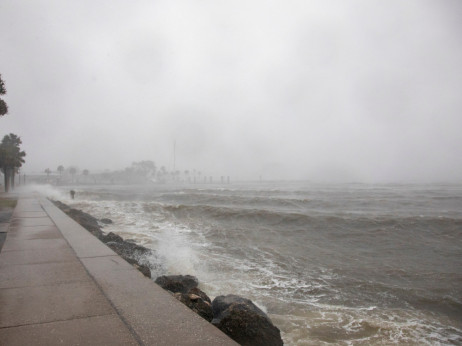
pixel 349 264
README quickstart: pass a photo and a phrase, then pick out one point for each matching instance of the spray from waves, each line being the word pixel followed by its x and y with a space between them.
pixel 174 247
pixel 130 221
pixel 46 190
pixel 147 223
pixel 331 277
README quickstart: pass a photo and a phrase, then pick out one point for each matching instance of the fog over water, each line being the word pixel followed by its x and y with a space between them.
pixel 319 90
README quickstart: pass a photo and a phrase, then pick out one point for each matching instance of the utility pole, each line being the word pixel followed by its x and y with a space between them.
pixel 174 155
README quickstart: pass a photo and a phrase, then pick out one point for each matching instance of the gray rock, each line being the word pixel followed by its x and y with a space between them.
pixel 196 304
pixel 201 294
pixel 177 283
pixel 244 322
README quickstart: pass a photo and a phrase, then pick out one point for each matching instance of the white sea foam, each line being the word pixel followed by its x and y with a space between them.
pixel 300 278
pixel 180 257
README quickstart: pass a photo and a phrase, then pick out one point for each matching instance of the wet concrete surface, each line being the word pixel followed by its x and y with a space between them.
pixel 60 285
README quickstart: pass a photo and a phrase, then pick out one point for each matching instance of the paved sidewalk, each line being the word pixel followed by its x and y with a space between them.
pixel 59 285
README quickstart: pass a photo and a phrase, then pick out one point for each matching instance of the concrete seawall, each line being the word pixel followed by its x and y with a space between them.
pixel 60 285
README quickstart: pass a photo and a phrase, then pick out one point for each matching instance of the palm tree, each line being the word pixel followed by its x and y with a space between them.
pixel 60 169
pixel 3 105
pixel 48 171
pixel 11 158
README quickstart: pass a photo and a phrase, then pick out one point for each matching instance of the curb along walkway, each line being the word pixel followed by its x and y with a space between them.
pixel 59 285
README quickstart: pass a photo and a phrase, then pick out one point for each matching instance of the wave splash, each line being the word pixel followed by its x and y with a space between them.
pixel 345 264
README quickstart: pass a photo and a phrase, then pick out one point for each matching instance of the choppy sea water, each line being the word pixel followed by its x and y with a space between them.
pixel 343 264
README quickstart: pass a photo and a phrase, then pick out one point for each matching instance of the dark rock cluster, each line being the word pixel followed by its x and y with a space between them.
pixel 128 250
pixel 237 317
pixel 87 221
pixel 177 283
pixel 184 288
pixel 244 322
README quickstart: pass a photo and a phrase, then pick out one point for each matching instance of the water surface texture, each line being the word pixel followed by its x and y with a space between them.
pixel 346 264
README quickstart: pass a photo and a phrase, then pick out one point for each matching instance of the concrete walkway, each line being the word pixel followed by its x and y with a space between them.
pixel 59 285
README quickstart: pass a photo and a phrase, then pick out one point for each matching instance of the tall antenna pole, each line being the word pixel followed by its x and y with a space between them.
pixel 174 155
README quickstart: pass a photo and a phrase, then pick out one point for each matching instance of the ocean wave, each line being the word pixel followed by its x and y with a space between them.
pixel 234 200
pixel 332 265
pixel 354 222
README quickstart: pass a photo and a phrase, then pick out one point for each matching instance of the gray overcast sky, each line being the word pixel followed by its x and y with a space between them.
pixel 321 90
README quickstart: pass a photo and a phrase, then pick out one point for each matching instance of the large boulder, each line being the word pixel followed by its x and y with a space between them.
pixel 244 322
pixel 201 294
pixel 184 288
pixel 177 283
pixel 197 304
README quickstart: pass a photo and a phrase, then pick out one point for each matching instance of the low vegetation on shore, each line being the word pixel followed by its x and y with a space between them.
pixel 8 203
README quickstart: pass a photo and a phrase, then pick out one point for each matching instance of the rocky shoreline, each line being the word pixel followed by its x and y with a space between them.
pixel 236 316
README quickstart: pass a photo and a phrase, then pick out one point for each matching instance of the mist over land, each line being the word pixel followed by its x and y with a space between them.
pixel 323 91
